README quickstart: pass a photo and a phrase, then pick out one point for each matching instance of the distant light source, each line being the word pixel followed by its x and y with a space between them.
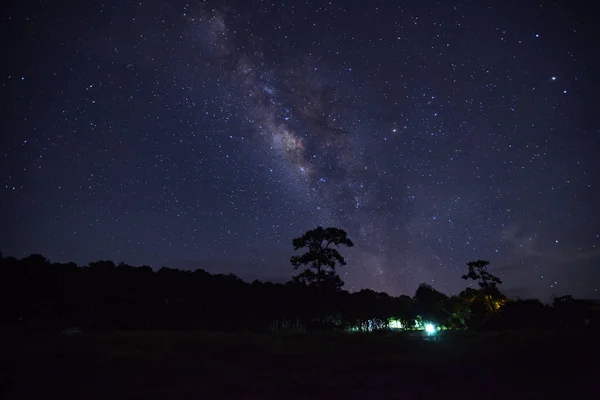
pixel 395 323
pixel 430 329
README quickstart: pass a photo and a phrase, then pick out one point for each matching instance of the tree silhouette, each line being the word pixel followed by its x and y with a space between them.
pixel 320 258
pixel 477 271
pixel 37 294
pixel 430 304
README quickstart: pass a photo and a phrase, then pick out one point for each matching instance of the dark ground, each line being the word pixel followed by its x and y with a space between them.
pixel 518 365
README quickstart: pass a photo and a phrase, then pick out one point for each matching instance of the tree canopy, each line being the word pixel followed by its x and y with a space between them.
pixel 321 258
pixel 477 271
pixel 37 294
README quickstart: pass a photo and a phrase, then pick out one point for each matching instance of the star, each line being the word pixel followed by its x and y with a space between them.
pixel 266 130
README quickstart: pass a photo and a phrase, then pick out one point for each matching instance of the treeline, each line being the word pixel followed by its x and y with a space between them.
pixel 40 295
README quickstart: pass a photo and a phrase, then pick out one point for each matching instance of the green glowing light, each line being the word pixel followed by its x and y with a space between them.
pixel 395 324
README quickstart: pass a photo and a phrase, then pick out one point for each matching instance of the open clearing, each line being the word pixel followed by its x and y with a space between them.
pixel 173 365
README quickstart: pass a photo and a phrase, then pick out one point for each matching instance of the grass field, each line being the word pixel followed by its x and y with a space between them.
pixel 168 365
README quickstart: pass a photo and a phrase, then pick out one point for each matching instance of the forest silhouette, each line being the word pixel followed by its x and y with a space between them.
pixel 38 294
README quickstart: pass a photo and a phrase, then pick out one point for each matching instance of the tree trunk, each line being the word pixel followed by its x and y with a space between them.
pixel 489 299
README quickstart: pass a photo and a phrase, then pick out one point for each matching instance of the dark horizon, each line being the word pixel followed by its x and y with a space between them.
pixel 212 133
pixel 191 266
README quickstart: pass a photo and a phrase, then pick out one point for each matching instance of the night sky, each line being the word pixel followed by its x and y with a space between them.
pixel 209 134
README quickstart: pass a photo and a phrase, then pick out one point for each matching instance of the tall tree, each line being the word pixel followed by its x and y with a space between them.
pixel 430 304
pixel 321 257
pixel 477 271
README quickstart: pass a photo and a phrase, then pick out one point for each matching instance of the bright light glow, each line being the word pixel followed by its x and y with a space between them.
pixel 395 323
pixel 430 329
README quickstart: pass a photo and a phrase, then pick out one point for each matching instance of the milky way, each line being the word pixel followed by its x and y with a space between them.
pixel 209 134
pixel 305 122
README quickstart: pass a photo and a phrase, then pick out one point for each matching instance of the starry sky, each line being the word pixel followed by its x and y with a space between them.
pixel 208 134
